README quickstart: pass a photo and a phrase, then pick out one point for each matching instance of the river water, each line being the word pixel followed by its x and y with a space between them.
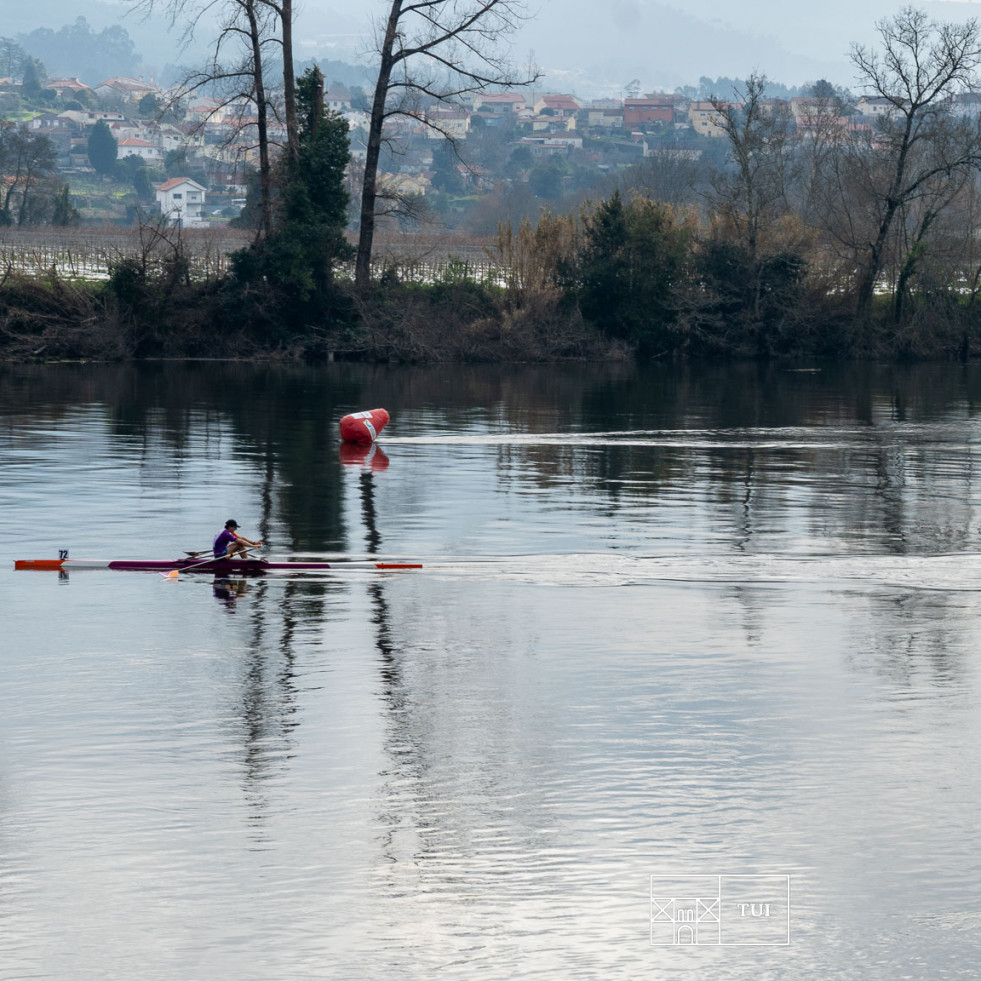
pixel 686 638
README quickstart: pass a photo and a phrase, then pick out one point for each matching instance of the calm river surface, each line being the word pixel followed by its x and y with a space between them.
pixel 683 636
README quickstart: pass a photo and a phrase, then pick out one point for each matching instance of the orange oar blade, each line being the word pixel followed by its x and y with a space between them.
pixel 38 563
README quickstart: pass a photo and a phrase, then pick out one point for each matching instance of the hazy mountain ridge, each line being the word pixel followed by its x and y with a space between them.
pixel 157 45
pixel 664 47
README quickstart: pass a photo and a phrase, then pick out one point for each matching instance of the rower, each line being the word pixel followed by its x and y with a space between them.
pixel 229 543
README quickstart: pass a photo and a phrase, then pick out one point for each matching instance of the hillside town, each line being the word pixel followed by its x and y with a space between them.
pixel 189 159
pixel 336 211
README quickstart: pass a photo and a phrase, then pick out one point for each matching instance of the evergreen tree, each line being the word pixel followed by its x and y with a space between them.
pixel 143 186
pixel 446 176
pixel 250 215
pixel 307 242
pixel 102 148
pixel 65 213
pixel 32 75
pixel 148 106
pixel 12 58
pixel 632 258
pixel 545 180
pixel 316 200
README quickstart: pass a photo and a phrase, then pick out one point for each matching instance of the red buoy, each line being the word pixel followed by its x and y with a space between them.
pixel 363 427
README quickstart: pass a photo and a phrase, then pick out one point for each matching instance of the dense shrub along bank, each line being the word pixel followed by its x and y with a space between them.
pixel 130 318
pixel 461 320
pixel 632 282
pixel 623 278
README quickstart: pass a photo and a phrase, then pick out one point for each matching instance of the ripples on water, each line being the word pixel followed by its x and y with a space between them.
pixel 636 649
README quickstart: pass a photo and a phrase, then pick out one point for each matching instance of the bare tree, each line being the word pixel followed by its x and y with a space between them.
pixel 26 159
pixel 921 228
pixel 247 31
pixel 669 176
pixel 752 194
pixel 823 127
pixel 251 26
pixel 434 50
pixel 921 66
pixel 750 197
pixel 285 11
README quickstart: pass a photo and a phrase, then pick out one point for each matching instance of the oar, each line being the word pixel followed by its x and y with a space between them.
pixel 173 573
pixel 194 555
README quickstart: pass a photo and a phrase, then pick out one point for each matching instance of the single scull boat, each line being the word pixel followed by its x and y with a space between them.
pixel 218 566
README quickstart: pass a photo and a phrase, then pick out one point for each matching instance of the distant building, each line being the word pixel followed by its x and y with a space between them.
pixel 651 108
pixel 128 89
pixel 60 86
pixel 48 121
pixel 706 120
pixel 875 106
pixel 546 121
pixel 167 136
pixel 563 106
pixel 813 107
pixel 549 145
pixel 215 111
pixel 604 114
pixel 150 152
pixel 337 99
pixel 181 201
pixel 503 103
pixel 449 122
pixel 85 117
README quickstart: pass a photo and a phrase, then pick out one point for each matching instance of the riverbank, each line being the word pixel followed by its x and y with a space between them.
pixel 139 313
pixel 131 317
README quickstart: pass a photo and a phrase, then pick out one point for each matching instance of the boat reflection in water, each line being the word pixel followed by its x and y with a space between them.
pixel 228 590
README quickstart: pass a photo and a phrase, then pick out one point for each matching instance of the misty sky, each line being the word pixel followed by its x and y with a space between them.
pixel 665 43
pixel 584 47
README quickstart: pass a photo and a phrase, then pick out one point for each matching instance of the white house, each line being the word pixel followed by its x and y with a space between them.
pixel 338 99
pixel 181 201
pixel 131 146
pixel 875 106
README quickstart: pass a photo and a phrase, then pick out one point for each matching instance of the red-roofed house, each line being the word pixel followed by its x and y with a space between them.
pixel 563 106
pixel 131 146
pixel 131 89
pixel 652 108
pixel 181 200
pixel 63 85
pixel 499 102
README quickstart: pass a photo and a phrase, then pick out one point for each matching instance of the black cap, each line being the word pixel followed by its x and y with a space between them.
pixel 231 523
